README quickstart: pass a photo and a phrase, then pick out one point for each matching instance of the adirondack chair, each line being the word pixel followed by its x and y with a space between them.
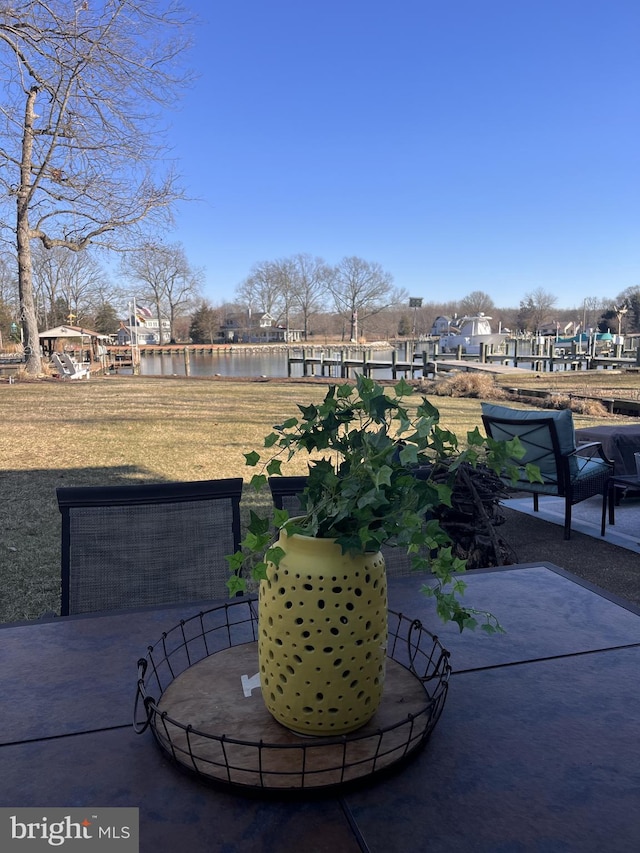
pixel 68 368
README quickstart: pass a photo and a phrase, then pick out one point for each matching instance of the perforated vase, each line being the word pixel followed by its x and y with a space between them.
pixel 322 636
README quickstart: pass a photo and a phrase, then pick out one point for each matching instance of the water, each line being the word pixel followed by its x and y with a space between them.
pixel 241 364
pixel 273 363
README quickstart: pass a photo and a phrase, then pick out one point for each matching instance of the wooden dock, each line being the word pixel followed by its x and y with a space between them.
pixel 344 364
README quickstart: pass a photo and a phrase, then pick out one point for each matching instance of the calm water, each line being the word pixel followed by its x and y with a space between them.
pixel 272 364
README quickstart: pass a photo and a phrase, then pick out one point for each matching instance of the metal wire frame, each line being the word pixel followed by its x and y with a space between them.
pixel 323 763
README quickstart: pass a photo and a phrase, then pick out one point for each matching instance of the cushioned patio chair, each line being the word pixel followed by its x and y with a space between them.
pixel 147 544
pixel 574 472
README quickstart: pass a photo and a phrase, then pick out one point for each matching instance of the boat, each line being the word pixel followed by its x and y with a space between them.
pixel 584 338
pixel 469 333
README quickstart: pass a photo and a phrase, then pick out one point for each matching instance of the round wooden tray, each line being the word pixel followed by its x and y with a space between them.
pixel 211 719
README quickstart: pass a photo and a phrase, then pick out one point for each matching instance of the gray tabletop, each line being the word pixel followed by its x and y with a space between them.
pixel 537 747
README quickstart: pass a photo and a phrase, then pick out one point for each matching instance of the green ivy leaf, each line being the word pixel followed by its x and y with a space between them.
pixel 475 438
pixel 256 542
pixel 258 482
pixel 533 473
pixel 280 517
pixel 309 413
pixel 288 424
pixel 236 585
pixel 252 458
pixel 274 555
pixel 402 388
pixel 260 571
pixel 344 391
pixel 409 455
pixel 270 439
pixel 257 523
pixel 383 476
pixel 273 467
pixel 235 560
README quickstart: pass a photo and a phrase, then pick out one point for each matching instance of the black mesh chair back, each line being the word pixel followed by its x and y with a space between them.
pixel 149 544
pixel 286 491
pixel 286 495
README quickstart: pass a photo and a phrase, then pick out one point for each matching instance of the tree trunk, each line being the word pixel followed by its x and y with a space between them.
pixel 28 317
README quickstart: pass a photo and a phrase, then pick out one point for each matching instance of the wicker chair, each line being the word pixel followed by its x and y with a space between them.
pixel 140 545
pixel 569 471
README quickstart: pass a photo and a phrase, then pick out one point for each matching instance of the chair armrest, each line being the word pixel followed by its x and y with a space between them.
pixel 593 448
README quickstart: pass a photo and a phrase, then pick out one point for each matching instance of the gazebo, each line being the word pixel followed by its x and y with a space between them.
pixel 84 344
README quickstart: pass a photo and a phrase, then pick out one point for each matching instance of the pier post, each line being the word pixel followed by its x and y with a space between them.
pixel 426 365
pixel 187 362
pixel 483 353
pixel 394 361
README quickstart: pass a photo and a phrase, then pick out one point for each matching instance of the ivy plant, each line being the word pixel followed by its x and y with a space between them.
pixel 372 458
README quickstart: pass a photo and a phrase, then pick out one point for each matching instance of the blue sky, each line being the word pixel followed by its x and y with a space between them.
pixel 462 144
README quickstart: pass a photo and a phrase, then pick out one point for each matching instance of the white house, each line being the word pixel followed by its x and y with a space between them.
pixel 145 331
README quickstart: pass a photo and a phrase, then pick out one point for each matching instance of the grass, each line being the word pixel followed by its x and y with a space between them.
pixel 115 430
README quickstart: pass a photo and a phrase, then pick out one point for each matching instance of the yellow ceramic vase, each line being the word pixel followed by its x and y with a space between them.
pixel 322 636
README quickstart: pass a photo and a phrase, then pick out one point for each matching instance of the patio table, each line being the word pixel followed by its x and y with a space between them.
pixel 537 747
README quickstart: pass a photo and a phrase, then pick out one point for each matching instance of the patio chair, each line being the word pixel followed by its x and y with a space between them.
pixel 286 491
pixel 148 544
pixel 574 472
pixel 68 368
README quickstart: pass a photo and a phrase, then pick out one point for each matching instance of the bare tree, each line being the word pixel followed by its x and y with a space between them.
pixel 285 277
pixel 536 308
pixel 8 300
pixel 163 276
pixel 312 277
pixel 360 289
pixel 73 279
pixel 80 141
pixel 8 281
pixel 286 287
pixel 261 291
pixel 477 302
